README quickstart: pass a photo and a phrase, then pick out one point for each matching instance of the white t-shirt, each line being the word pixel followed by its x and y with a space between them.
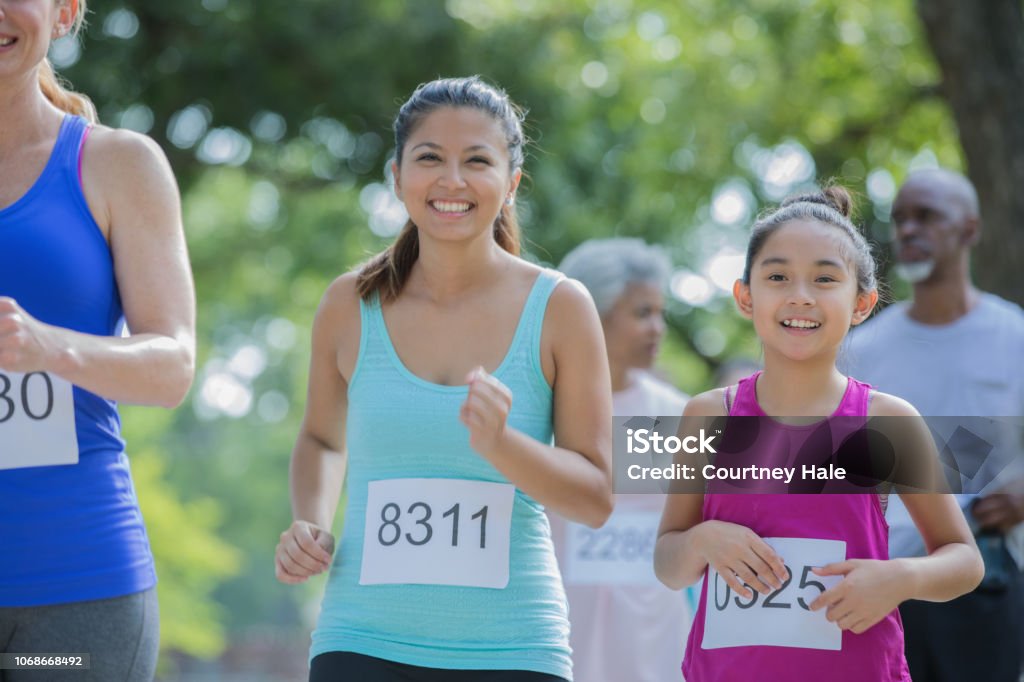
pixel 969 368
pixel 625 625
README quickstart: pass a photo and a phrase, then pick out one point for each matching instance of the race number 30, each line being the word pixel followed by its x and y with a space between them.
pixel 37 421
pixel 782 618
pixel 437 531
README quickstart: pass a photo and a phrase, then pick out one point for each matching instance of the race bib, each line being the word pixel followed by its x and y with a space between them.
pixel 782 618
pixel 437 531
pixel 37 421
pixel 621 552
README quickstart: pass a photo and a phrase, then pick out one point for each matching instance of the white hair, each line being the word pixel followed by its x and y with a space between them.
pixel 607 266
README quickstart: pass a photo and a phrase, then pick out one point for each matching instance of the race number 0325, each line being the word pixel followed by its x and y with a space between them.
pixel 782 618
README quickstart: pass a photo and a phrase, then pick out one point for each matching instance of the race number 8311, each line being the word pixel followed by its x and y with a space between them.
pixel 37 421
pixel 437 531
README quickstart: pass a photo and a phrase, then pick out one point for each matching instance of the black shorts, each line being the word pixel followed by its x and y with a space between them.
pixel 344 666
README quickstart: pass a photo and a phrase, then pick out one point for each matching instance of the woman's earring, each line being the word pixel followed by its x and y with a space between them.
pixel 508 200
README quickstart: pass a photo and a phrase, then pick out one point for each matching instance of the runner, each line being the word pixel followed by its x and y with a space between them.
pixel 625 624
pixel 90 225
pixel 440 372
pixel 826 591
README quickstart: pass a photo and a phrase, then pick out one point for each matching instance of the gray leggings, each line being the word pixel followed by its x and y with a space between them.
pixel 121 636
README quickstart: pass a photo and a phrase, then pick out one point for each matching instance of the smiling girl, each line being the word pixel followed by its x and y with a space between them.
pixel 780 561
pixel 440 372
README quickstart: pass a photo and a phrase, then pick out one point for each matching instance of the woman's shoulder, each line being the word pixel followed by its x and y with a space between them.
pixel 125 169
pixel 118 148
pixel 341 299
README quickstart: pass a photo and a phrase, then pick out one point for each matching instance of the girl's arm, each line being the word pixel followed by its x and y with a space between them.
pixel 687 545
pixel 871 589
pixel 318 460
pixel 573 477
pixel 132 194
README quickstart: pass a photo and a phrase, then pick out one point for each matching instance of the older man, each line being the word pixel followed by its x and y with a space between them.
pixel 955 351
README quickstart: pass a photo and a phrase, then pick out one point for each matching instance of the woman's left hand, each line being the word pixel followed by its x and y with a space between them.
pixel 870 590
pixel 485 411
pixel 25 344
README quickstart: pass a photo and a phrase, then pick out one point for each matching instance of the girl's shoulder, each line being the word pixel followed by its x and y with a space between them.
pixel 709 403
pixel 888 405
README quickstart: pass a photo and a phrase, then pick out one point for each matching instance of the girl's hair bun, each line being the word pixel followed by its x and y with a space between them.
pixel 834 196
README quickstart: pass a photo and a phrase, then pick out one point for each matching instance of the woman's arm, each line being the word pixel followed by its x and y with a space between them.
pixel 134 198
pixel 573 477
pixel 318 460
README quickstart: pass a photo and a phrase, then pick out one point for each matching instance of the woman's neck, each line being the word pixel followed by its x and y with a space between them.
pixel 447 272
pixel 621 376
pixel 27 117
pixel 805 388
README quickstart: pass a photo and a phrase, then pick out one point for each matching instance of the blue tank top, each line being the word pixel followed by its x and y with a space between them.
pixel 75 530
pixel 400 426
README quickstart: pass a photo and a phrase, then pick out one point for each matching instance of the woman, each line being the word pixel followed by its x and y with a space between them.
pixel 625 624
pixel 440 372
pixel 92 240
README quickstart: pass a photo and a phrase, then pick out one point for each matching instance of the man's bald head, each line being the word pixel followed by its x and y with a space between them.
pixel 950 184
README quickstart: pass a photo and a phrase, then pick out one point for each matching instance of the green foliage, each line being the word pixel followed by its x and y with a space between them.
pixel 191 560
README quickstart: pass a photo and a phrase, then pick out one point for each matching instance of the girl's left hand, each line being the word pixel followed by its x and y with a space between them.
pixel 870 590
pixel 485 411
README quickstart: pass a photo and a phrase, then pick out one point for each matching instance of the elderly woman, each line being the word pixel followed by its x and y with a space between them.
pixel 624 624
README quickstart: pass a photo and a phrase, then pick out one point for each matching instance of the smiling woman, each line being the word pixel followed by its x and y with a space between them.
pixel 92 243
pixel 441 372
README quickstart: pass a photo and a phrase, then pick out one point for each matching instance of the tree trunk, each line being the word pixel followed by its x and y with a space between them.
pixel 979 46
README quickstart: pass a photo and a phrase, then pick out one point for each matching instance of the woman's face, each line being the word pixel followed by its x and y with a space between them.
pixel 26 29
pixel 635 325
pixel 454 176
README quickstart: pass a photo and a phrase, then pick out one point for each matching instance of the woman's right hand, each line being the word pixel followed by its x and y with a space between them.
pixel 305 550
pixel 741 556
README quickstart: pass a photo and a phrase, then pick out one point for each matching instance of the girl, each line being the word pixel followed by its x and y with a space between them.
pixel 439 373
pixel 809 276
pixel 91 234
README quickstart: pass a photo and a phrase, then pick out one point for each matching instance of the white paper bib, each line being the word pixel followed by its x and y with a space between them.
pixel 621 552
pixel 782 618
pixel 37 421
pixel 437 531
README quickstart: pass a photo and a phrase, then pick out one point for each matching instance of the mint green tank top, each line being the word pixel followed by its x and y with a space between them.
pixel 402 427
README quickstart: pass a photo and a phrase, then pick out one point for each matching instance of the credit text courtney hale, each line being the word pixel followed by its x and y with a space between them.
pixel 646 441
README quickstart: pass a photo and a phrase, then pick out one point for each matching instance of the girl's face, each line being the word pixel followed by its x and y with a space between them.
pixel 454 175
pixel 26 29
pixel 635 325
pixel 802 295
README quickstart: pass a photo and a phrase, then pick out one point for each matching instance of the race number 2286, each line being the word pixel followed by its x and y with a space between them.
pixel 37 421
pixel 782 618
pixel 437 531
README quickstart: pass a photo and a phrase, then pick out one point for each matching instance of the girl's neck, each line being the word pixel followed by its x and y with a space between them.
pixel 806 388
pixel 27 117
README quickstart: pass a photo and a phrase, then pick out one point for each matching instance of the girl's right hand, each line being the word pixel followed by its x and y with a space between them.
pixel 305 550
pixel 741 556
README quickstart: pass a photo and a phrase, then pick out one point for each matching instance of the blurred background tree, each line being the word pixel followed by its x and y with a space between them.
pixel 671 120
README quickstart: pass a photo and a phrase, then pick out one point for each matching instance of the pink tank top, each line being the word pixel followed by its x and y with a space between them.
pixel 856 519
